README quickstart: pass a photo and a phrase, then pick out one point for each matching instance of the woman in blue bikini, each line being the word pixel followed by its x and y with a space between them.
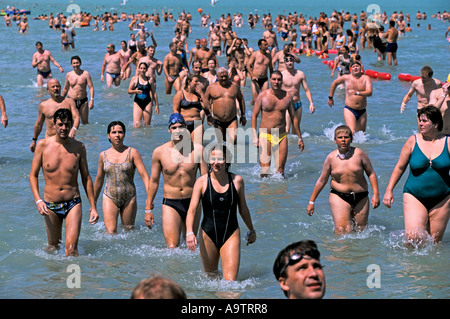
pixel 426 194
pixel 220 193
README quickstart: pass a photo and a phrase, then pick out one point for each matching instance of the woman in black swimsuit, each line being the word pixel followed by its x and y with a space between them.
pixel 220 193
pixel 144 96
pixel 190 102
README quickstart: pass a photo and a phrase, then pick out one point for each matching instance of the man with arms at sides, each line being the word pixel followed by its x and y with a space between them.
pixel 61 158
pixel 77 81
pixel 178 160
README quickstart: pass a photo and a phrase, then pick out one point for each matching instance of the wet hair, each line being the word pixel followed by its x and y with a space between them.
pixel 158 288
pixel 344 129
pixel 143 63
pixel 426 70
pixel 39 42
pixel 277 72
pixel 433 114
pixel 75 57
pixel 306 247
pixel 261 41
pixel 63 114
pixel 228 157
pixel 114 123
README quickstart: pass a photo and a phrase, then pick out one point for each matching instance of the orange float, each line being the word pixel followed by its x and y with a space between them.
pixel 200 10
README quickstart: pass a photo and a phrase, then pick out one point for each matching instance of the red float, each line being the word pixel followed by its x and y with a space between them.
pixel 404 77
pixel 415 77
pixel 384 76
pixel 373 74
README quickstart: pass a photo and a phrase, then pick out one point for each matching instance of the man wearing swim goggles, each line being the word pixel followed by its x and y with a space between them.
pixel 299 271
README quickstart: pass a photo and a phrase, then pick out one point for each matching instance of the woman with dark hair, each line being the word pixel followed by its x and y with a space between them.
pixel 221 193
pixel 190 102
pixel 140 85
pixel 118 165
pixel 426 194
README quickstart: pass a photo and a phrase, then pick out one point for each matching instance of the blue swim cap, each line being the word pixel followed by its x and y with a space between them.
pixel 176 118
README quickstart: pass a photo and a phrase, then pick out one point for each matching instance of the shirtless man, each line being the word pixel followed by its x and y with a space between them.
pixel 203 54
pixel 271 37
pixel 77 81
pixel 48 108
pixel 4 117
pixel 41 59
pixel 61 158
pixel 422 87
pixel 142 34
pixel 293 80
pixel 193 50
pixel 23 26
pixel 237 51
pixel 358 87
pixel 273 104
pixel 257 66
pixel 391 36
pixel 112 63
pixel 136 57
pixel 223 96
pixel 440 98
pixel 172 65
pixel 279 57
pixel 215 41
pixel 179 161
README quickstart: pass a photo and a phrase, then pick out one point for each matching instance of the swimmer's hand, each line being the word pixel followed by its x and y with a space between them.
pixel 375 201
pixel 94 216
pixel 42 208
pixel 91 104
pixel 388 199
pixel 157 109
pixel 191 241
pixel 250 237
pixel 149 219
pixel 310 209
pixel 301 145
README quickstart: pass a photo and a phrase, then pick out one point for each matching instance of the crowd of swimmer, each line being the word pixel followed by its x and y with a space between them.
pixel 204 90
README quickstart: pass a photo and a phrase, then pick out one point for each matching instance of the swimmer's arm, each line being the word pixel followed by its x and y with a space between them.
pixel 99 179
pixel 132 85
pixel 37 128
pixel 153 182
pixel 241 101
pixel 76 118
pixel 372 179
pixel 407 97
pixel 34 172
pixel 103 67
pixel 66 86
pixel 250 62
pixel 4 117
pixel 176 102
pixel 335 83
pixel 166 68
pixel 243 208
pixel 368 87
pixel 398 171
pixel 255 114
pixel 131 60
pixel 153 39
pixel 140 166
pixel 91 90
pixel 54 62
pixel 159 67
pixel 308 95
pixel 197 192
pixel 320 184
pixel 88 186
pixel 270 65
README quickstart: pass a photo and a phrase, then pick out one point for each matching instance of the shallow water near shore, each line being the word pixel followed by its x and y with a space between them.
pixel 111 266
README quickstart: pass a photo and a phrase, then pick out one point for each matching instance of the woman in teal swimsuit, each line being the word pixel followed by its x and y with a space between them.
pixel 426 194
pixel 118 165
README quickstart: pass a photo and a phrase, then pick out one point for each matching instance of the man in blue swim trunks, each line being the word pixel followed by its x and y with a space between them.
pixel 61 158
pixel 358 87
pixel 112 63
pixel 41 60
